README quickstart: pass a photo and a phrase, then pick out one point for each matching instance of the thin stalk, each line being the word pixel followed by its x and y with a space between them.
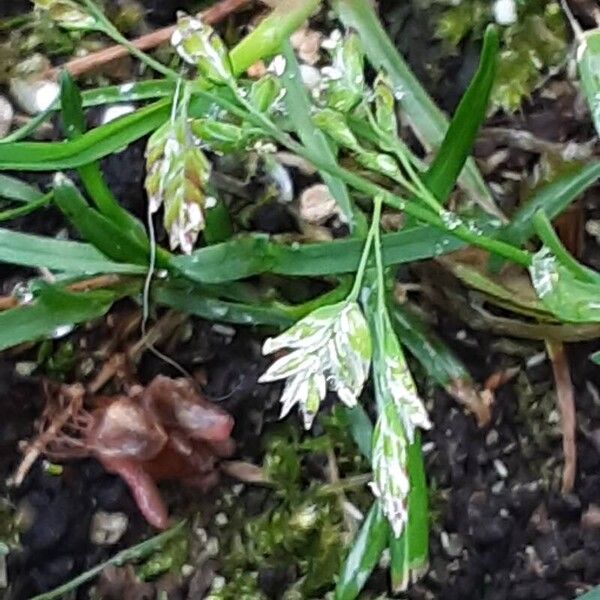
pixel 547 235
pixel 33 124
pixel 134 553
pixel 512 253
pixel 25 209
pixel 106 27
pixel 362 265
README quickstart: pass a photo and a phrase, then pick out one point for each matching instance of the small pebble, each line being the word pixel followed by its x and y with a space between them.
pixel 7 114
pixel 107 529
pixel 221 519
pixel 317 205
pixel 34 95
pixel 112 113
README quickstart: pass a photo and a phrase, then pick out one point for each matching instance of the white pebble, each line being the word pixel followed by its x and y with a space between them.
pixel 117 110
pixel 34 95
pixel 505 12
pixel 6 116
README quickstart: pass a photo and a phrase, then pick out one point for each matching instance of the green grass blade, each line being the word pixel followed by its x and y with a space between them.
pixel 588 62
pixel 271 33
pixel 253 254
pixel 25 209
pixel 553 199
pixel 189 299
pixel 73 119
pixel 440 363
pixel 135 553
pixel 567 288
pixel 52 309
pixel 410 552
pixel 364 554
pixel 92 146
pixel 299 109
pixel 17 190
pixel 95 228
pixel 458 142
pixel 428 122
pixel 58 255
pixel 127 92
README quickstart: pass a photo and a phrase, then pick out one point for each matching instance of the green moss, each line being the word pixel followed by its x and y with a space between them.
pixel 531 47
pixel 169 559
pixel 300 529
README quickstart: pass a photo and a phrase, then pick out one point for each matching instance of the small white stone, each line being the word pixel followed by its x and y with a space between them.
pixel 500 468
pixel 505 12
pixel 116 111
pixel 107 528
pixel 221 519
pixel 34 95
pixel 6 116
pixel 61 331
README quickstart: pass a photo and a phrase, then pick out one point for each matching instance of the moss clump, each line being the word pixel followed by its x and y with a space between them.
pixel 531 47
pixel 300 532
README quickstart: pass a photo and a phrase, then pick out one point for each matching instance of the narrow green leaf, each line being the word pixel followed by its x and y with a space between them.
pixel 547 234
pixel 552 199
pixel 74 125
pixel 53 308
pixel 25 209
pixel 135 553
pixel 588 62
pixel 441 364
pixel 17 190
pixel 127 92
pixel 92 146
pixel 108 237
pixel 567 288
pixel 466 121
pixel 58 255
pixel 251 255
pixel 73 117
pixel 299 109
pixel 266 39
pixel 409 552
pixel 189 299
pixel 364 554
pixel 426 119
pixel 595 357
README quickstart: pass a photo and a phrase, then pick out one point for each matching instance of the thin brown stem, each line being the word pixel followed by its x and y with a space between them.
pixel 566 407
pixel 78 66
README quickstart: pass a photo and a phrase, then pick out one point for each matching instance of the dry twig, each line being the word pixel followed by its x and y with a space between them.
pixel 566 407
pixel 78 66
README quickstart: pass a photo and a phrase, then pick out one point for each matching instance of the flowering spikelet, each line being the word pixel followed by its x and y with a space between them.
pixel 390 479
pixel 66 13
pixel 331 347
pixel 198 44
pixel 401 412
pixel 177 172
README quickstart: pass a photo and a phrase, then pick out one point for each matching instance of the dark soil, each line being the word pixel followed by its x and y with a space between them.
pixel 501 530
